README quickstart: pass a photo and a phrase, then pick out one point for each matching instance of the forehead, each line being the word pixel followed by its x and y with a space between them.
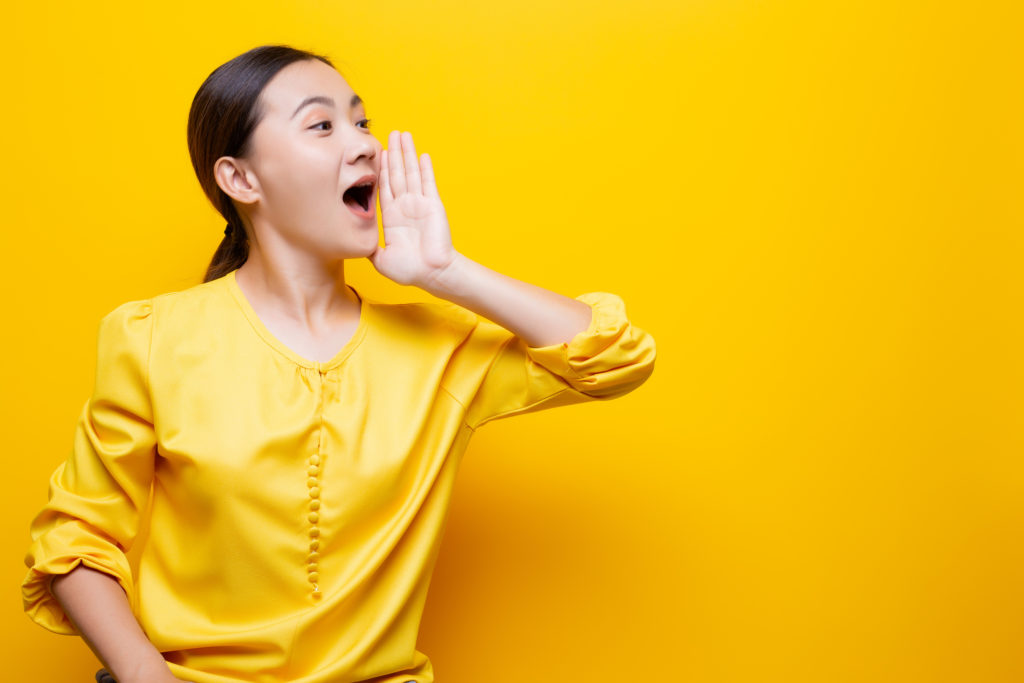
pixel 299 80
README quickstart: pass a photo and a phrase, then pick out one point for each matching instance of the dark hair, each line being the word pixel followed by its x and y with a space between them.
pixel 225 110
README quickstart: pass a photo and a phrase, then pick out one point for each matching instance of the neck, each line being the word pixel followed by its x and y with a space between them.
pixel 309 291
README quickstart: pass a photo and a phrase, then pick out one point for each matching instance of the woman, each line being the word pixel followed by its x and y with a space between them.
pixel 301 439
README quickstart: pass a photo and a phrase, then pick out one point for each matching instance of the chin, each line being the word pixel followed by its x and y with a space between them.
pixel 358 248
pixel 368 251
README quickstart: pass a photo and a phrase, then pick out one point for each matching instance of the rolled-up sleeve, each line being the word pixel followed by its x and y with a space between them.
pixel 609 359
pixel 96 496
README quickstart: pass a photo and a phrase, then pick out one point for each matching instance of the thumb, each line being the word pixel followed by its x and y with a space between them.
pixel 375 257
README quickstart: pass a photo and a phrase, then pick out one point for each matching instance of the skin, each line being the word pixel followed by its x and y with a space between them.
pixel 97 605
pixel 288 191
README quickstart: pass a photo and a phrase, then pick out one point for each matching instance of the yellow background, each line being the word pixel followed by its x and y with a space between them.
pixel 815 208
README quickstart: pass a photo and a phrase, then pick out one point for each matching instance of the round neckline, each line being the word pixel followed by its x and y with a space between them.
pixel 264 332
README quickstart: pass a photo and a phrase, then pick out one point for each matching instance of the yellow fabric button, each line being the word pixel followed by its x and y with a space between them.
pixel 314 505
pixel 313 470
pixel 314 577
pixel 313 557
pixel 314 532
pixel 314 459
pixel 316 593
pixel 314 517
pixel 314 544
pixel 311 482
pixel 314 492
pixel 311 568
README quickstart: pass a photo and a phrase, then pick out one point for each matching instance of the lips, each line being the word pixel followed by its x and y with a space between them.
pixel 359 195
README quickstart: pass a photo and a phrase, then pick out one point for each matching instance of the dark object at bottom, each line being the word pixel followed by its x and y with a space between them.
pixel 104 676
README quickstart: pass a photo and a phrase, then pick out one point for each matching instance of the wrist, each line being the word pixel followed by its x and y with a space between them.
pixel 450 281
pixel 152 668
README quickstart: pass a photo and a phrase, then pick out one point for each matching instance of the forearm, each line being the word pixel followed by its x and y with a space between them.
pixel 537 315
pixel 97 605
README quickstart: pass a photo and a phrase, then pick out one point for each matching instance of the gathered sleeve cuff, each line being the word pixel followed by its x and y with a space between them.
pixel 609 359
pixel 97 494
pixel 58 552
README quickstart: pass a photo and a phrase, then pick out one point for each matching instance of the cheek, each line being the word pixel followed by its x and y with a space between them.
pixel 301 175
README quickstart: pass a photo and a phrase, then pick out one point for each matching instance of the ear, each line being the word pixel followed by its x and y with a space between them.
pixel 236 179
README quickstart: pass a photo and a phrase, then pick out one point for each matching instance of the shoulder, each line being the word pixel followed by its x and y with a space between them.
pixel 425 322
pixel 181 305
pixel 438 315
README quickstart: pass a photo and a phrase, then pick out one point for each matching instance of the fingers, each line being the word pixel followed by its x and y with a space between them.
pixel 429 184
pixel 396 170
pixel 404 172
pixel 412 168
pixel 385 182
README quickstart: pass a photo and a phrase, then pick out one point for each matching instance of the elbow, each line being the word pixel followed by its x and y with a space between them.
pixel 622 379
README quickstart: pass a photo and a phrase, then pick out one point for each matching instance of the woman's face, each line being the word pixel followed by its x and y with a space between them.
pixel 304 154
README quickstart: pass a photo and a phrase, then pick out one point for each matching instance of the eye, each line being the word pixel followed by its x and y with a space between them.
pixel 367 122
pixel 314 126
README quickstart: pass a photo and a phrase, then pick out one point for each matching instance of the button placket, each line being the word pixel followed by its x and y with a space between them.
pixel 313 516
pixel 313 558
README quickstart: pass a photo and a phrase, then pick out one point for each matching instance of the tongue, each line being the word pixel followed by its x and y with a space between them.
pixel 351 200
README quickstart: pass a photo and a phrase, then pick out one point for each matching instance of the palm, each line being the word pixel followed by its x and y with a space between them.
pixel 417 240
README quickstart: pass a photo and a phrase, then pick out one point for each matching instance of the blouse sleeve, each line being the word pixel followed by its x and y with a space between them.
pixel 611 358
pixel 97 494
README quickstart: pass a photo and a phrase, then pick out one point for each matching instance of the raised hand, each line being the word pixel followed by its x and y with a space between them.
pixel 417 241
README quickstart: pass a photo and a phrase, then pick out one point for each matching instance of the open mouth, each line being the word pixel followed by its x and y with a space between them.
pixel 359 195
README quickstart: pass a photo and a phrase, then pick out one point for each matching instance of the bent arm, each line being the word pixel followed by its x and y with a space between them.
pixel 538 316
pixel 97 605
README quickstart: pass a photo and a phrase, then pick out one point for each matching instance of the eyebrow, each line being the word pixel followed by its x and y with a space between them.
pixel 323 99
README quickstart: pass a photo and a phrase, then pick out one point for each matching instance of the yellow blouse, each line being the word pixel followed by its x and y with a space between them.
pixel 295 507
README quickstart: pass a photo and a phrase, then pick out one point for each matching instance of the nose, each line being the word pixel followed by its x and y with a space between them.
pixel 361 146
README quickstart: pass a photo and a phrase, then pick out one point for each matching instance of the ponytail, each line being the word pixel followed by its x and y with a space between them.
pixel 224 112
pixel 232 252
